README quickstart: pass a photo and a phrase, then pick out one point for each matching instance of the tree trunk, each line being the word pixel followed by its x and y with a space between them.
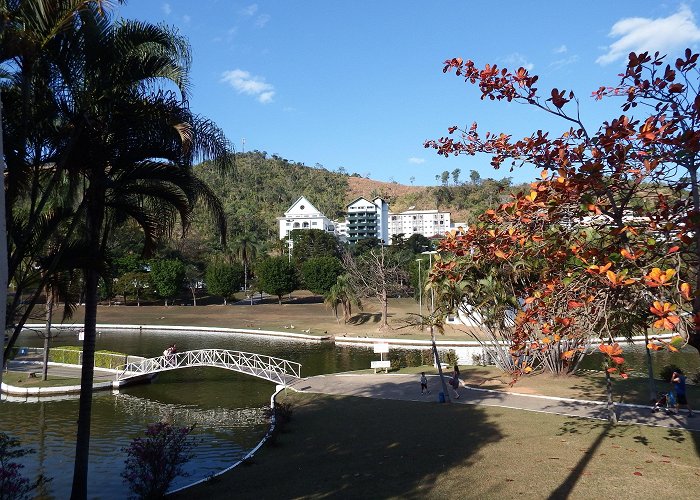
pixel 694 335
pixel 650 369
pixel 3 253
pixel 279 299
pixel 95 214
pixel 608 390
pixel 194 296
pixel 385 309
pixel 47 335
pixel 138 299
pixel 439 366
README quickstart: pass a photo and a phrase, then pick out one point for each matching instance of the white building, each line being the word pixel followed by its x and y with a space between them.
pixel 429 223
pixel 368 219
pixel 303 215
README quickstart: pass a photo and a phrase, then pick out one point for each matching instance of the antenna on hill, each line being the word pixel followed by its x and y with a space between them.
pixel 243 144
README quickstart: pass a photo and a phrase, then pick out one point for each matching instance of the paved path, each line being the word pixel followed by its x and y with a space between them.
pixel 407 387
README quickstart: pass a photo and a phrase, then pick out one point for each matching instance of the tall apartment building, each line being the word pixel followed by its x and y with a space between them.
pixel 429 223
pixel 368 219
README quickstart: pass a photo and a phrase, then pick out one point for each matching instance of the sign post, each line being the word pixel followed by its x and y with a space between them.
pixel 381 349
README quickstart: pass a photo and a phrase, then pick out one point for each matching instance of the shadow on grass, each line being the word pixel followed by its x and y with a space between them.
pixel 348 447
pixel 362 318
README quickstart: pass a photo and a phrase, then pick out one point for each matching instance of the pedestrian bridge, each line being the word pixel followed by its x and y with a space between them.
pixel 269 368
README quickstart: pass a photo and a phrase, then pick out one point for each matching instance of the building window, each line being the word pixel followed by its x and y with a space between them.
pixel 301 207
pixel 306 225
pixel 296 225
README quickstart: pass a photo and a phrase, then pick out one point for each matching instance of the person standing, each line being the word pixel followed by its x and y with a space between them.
pixel 424 384
pixel 454 382
pixel 678 381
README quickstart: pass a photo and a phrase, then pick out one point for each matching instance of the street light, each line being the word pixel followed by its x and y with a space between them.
pixel 420 294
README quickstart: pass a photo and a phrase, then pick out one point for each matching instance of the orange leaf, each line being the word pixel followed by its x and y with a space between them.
pixel 685 291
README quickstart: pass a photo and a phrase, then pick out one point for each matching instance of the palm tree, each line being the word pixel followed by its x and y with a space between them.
pixel 246 248
pixel 342 294
pixel 113 122
pixel 135 160
pixel 27 28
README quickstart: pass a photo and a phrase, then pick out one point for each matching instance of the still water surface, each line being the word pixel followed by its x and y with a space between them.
pixel 226 407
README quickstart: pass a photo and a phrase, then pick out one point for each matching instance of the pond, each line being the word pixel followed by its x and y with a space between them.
pixel 226 407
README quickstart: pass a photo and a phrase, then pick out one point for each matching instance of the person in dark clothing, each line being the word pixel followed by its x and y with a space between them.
pixel 678 381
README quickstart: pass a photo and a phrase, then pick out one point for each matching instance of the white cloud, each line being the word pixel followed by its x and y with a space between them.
pixel 186 19
pixel 639 34
pixel 250 10
pixel 564 61
pixel 416 161
pixel 561 49
pixel 167 9
pixel 516 59
pixel 262 20
pixel 245 83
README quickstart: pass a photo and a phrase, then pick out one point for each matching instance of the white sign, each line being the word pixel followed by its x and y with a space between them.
pixel 81 335
pixel 380 364
pixel 381 348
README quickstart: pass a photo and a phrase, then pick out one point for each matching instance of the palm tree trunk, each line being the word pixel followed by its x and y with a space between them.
pixel 94 218
pixel 3 253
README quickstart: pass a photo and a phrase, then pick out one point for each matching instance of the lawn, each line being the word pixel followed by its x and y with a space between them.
pixel 23 379
pixel 302 312
pixel 346 447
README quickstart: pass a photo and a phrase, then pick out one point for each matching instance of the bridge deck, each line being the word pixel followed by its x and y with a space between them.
pixel 278 370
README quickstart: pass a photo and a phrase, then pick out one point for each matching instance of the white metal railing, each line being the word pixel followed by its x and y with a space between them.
pixel 258 365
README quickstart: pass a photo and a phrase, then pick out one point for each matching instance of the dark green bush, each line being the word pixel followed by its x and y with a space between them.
pixel 667 371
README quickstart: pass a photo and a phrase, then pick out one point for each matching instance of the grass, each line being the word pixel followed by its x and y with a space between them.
pixel 346 447
pixel 303 312
pixel 22 379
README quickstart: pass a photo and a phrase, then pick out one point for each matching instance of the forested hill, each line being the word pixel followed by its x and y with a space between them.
pixel 263 187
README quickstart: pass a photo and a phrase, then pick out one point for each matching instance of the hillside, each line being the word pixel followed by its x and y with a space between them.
pixel 263 187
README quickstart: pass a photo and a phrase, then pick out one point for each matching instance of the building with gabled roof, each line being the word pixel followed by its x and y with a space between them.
pixel 303 215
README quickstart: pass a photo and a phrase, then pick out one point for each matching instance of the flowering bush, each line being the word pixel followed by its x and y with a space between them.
pixel 12 485
pixel 156 459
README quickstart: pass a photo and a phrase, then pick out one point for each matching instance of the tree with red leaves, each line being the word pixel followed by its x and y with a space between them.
pixel 608 237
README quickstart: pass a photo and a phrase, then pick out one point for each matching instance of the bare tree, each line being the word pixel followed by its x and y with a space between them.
pixel 374 274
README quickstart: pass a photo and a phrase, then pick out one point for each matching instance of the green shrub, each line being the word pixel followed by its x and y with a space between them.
pixel 68 355
pixel 667 371
pixel 72 355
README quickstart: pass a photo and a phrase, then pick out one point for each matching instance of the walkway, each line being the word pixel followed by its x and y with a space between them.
pixel 407 388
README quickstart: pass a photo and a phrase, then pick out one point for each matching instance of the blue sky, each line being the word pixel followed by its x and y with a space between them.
pixel 359 84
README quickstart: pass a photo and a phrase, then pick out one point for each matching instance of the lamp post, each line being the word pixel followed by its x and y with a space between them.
pixel 420 293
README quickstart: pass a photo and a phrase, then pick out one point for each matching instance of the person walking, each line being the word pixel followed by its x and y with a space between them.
pixel 424 384
pixel 454 382
pixel 678 381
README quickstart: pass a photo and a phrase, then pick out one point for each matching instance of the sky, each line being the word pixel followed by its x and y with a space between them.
pixel 358 85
